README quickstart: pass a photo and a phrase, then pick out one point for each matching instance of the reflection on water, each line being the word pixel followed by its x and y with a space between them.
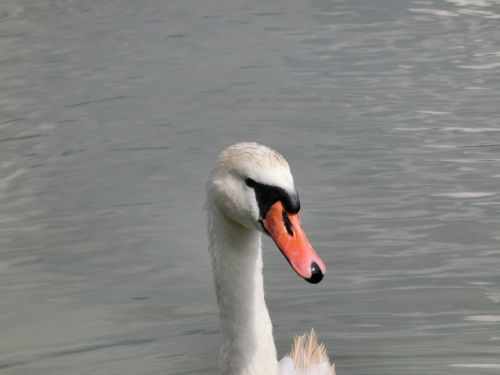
pixel 111 115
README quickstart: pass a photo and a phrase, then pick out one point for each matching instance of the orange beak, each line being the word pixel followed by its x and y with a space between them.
pixel 287 233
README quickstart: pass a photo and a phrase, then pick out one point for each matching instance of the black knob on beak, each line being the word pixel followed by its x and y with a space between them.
pixel 316 274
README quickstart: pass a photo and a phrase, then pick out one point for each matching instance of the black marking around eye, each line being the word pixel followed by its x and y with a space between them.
pixel 267 195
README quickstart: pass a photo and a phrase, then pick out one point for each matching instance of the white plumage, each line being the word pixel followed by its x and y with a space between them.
pixel 238 212
pixel 307 357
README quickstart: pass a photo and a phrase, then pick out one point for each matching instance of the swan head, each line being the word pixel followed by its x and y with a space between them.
pixel 251 184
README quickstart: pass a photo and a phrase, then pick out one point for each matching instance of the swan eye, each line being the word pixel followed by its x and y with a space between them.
pixel 250 182
pixel 267 195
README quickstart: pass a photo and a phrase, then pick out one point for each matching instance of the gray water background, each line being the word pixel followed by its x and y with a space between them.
pixel 111 113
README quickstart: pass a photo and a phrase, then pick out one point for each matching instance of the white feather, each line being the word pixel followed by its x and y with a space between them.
pixel 235 249
pixel 286 367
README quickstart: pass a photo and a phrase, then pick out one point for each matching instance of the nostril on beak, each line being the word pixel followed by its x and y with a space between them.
pixel 316 274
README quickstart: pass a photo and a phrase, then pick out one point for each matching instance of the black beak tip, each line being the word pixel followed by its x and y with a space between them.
pixel 316 274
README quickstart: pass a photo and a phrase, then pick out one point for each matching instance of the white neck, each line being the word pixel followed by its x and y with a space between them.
pixel 236 253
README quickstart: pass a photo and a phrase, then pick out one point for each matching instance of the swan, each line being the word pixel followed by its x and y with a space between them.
pixel 250 191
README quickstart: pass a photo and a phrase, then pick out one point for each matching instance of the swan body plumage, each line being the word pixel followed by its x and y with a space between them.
pixel 250 191
pixel 307 357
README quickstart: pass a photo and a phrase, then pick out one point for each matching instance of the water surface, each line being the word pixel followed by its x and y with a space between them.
pixel 112 112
